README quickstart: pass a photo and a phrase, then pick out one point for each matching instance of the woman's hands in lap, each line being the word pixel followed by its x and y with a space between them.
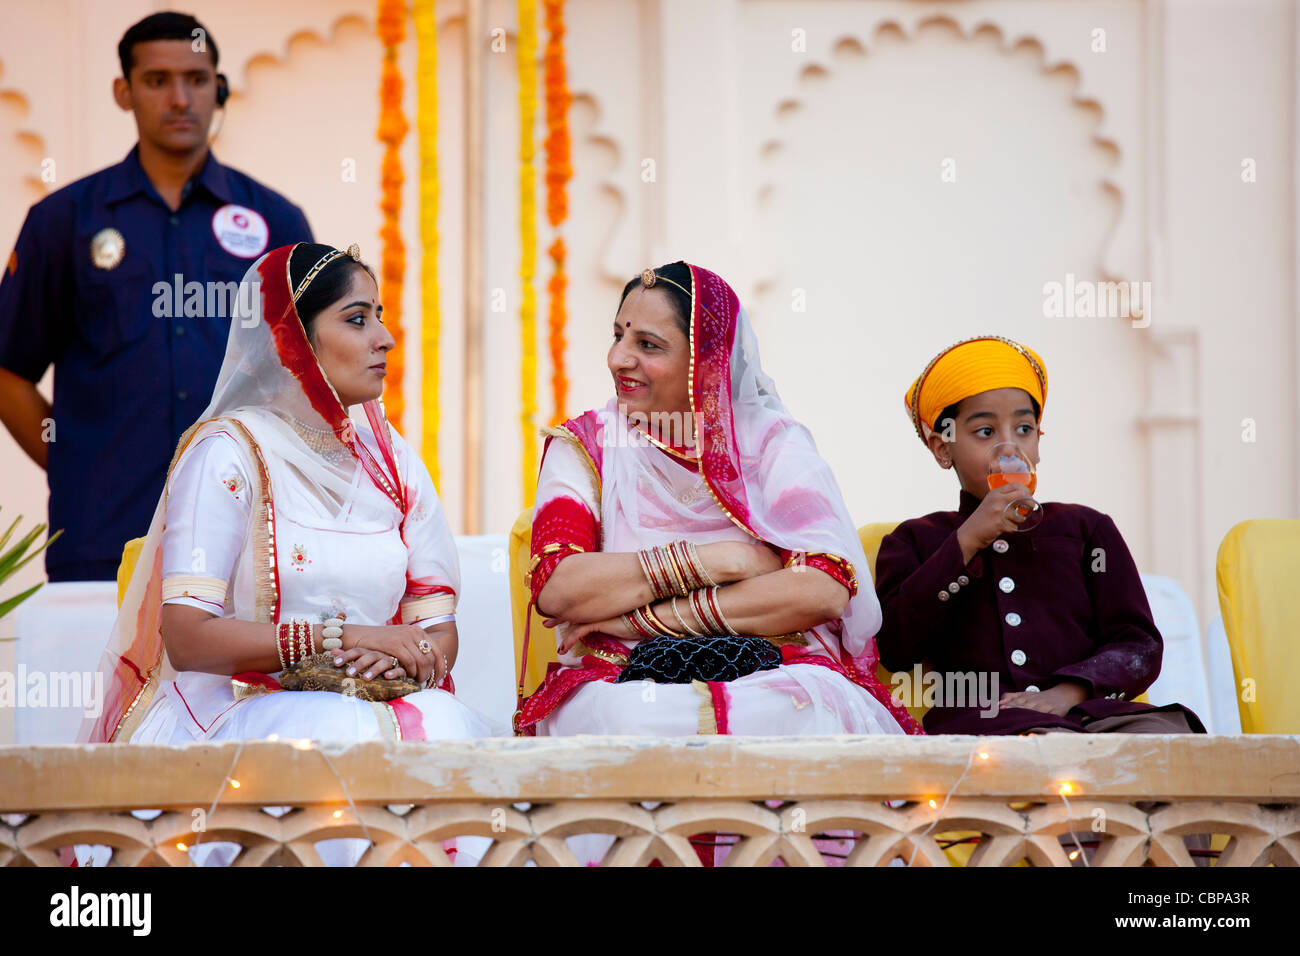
pixel 371 649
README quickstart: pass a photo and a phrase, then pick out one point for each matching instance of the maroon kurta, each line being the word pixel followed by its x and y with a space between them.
pixel 1063 600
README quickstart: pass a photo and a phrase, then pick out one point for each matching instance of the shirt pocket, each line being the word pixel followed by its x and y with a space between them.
pixel 223 300
pixel 114 307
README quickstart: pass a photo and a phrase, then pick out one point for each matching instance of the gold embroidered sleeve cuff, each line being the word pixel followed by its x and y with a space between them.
pixel 435 605
pixel 846 566
pixel 189 585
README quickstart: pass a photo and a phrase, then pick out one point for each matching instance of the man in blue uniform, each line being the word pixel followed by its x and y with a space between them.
pixel 122 281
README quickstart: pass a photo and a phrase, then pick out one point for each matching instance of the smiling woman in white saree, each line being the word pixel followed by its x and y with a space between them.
pixel 717 564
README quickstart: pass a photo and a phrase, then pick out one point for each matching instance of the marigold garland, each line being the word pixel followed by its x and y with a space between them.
pixel 558 173
pixel 527 68
pixel 391 22
pixel 426 126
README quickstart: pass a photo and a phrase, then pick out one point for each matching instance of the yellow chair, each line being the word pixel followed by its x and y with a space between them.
pixel 130 555
pixel 1258 566
pixel 541 640
pixel 871 535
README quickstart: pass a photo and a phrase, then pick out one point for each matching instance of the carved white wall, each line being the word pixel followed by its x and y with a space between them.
pixel 817 168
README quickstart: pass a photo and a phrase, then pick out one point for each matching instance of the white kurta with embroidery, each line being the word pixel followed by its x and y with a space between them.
pixel 354 561
pixel 788 699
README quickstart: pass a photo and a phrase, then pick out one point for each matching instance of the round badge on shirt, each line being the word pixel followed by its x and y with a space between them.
pixel 240 231
pixel 107 248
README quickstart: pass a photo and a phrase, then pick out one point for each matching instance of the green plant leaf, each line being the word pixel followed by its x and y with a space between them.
pixel 48 541
pixel 10 558
pixel 10 531
pixel 8 605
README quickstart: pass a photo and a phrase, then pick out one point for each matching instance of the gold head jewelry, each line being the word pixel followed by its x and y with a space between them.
pixel 649 277
pixel 353 250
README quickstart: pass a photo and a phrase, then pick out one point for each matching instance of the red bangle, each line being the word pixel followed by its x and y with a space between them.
pixel 282 642
pixel 712 594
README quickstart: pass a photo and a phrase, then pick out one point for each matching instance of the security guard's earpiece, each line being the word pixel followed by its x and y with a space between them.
pixel 223 90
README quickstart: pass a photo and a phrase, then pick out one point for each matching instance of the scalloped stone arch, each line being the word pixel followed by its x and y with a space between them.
pixel 851 44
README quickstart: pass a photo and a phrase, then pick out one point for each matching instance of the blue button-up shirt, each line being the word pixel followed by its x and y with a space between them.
pixel 136 348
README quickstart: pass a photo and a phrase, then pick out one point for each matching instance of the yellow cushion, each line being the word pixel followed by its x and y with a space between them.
pixel 130 554
pixel 1258 566
pixel 871 535
pixel 541 640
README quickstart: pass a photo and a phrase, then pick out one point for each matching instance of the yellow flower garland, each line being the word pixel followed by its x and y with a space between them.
pixel 391 23
pixel 426 125
pixel 527 67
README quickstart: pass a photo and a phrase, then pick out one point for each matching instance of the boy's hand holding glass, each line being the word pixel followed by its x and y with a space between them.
pixel 1009 466
pixel 993 518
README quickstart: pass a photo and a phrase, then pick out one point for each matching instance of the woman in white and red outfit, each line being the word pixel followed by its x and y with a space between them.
pixel 279 514
pixel 742 481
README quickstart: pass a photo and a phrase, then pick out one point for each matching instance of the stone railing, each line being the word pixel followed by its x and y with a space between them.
pixel 1104 800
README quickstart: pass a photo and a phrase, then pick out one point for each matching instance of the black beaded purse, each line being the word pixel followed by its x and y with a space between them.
pixel 680 660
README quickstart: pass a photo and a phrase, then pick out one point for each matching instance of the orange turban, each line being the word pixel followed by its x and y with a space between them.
pixel 972 366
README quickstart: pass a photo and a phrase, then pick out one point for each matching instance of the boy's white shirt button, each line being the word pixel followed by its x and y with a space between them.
pixel 1013 619
pixel 1000 546
pixel 1032 688
pixel 1018 656
pixel 1006 585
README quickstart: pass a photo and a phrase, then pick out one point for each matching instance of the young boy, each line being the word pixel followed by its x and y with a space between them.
pixel 1057 613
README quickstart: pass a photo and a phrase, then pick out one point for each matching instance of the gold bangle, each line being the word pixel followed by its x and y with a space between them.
pixel 682 621
pixel 697 565
pixel 644 558
pixel 711 596
pixel 702 613
pixel 659 574
pixel 665 576
pixel 658 624
pixel 683 559
pixel 635 626
pixel 670 555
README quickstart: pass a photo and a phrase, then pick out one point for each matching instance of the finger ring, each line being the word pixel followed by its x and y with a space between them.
pixel 396 662
pixel 425 647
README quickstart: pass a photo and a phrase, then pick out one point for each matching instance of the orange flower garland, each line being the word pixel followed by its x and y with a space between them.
pixel 558 173
pixel 391 22
pixel 527 67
